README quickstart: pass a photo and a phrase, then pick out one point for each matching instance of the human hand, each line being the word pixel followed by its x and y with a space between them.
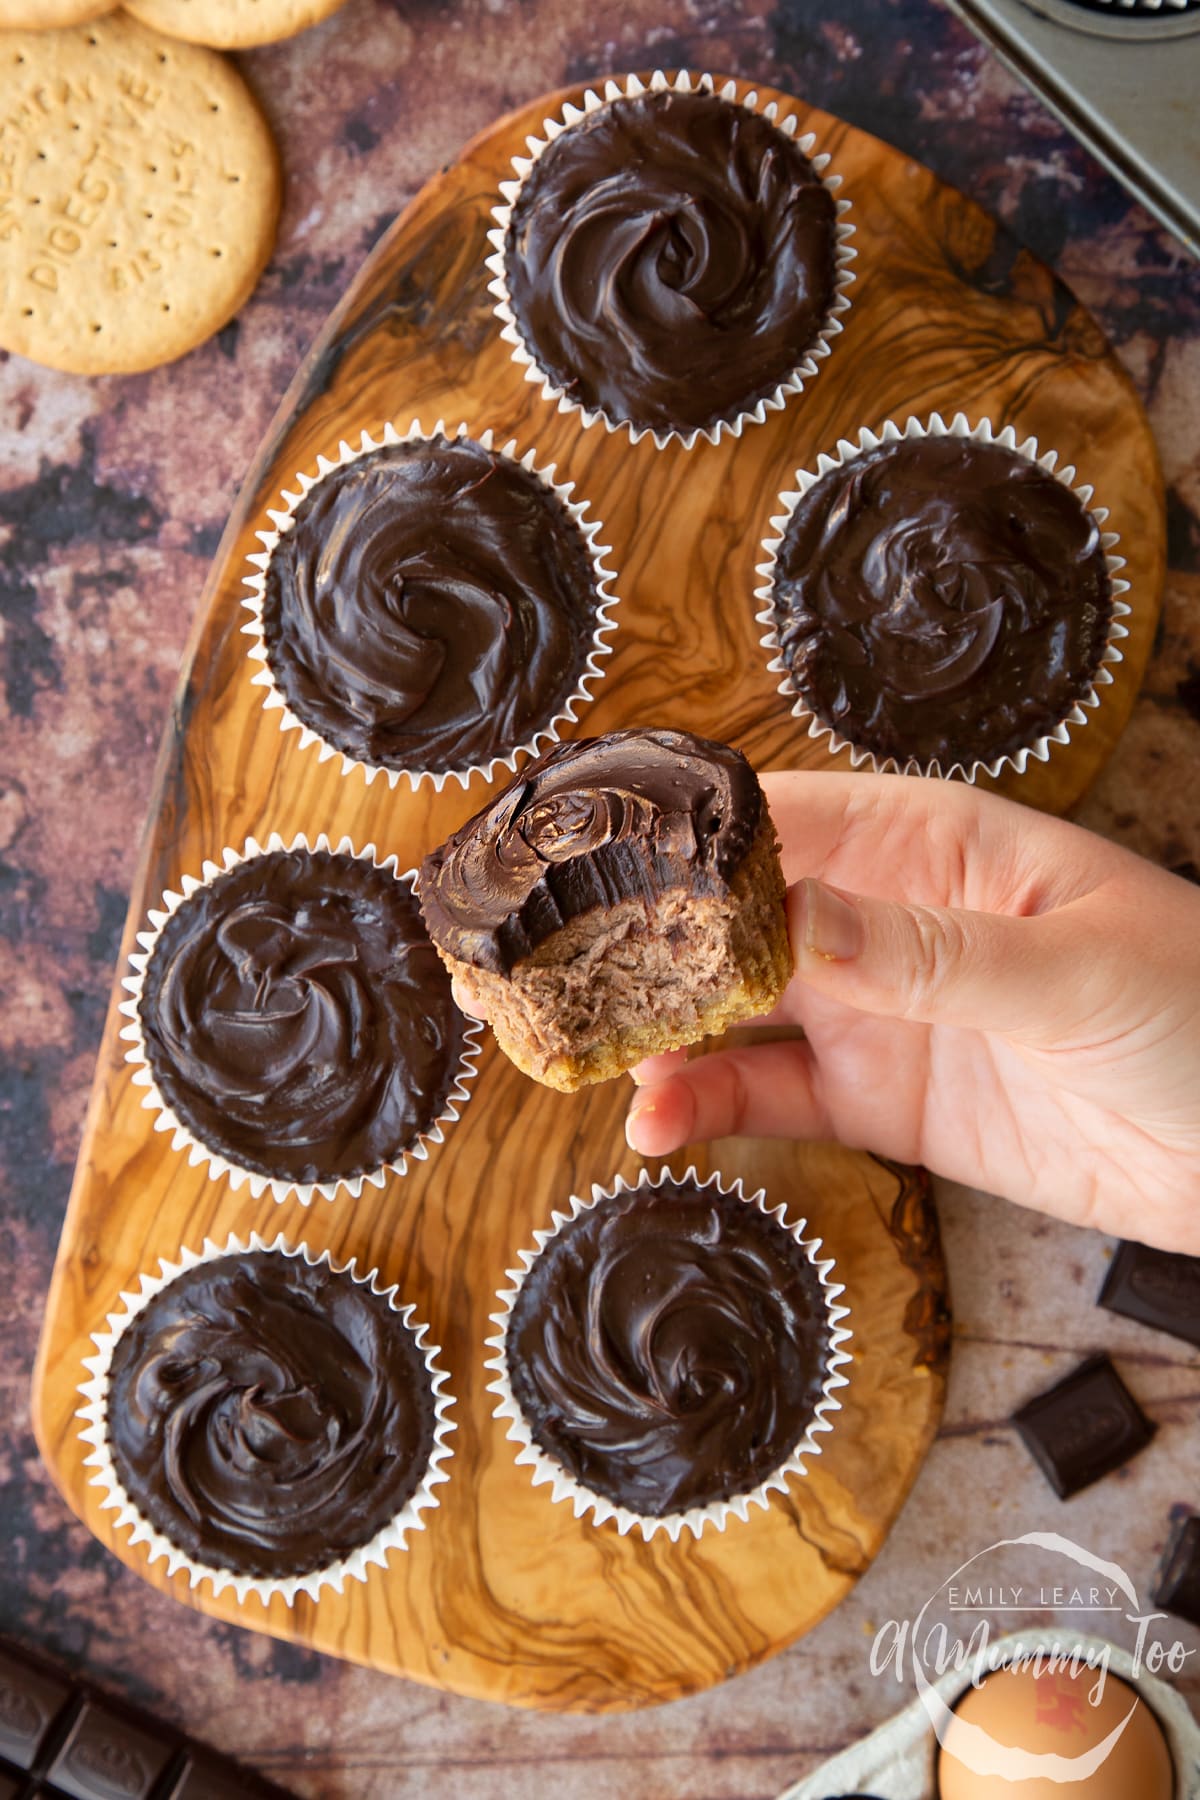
pixel 999 995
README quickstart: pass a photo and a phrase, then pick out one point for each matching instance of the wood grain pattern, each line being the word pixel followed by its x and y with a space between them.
pixel 505 1595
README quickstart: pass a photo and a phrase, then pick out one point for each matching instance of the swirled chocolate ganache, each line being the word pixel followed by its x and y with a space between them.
pixel 267 1416
pixel 622 896
pixel 941 599
pixel 671 258
pixel 668 1347
pixel 432 606
pixel 297 1019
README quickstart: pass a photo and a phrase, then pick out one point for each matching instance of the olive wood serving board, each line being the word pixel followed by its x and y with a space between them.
pixel 504 1594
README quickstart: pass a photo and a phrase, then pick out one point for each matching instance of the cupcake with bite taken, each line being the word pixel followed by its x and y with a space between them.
pixel 622 897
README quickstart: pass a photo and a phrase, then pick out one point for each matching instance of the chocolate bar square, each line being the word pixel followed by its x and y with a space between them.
pixel 62 1740
pixel 1084 1427
pixel 1155 1287
pixel 1178 1589
pixel 30 1701
pixel 107 1757
pixel 205 1778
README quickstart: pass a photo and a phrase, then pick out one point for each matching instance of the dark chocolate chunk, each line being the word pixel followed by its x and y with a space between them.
pixel 1156 1287
pixel 669 1347
pixel 1084 1427
pixel 433 606
pixel 1178 1587
pixel 297 1018
pixel 74 1743
pixel 207 1778
pixel 671 259
pixel 31 1699
pixel 105 1756
pixel 269 1416
pixel 589 824
pixel 941 599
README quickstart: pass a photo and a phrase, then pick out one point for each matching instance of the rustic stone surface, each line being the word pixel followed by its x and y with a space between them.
pixel 112 497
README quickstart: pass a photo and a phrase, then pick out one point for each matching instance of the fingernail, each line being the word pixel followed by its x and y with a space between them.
pixel 464 1000
pixel 831 926
pixel 642 1108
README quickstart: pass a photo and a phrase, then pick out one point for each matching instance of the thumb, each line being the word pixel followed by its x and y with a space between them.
pixel 1028 977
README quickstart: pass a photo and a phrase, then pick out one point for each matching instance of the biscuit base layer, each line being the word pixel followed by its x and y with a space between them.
pixel 630 981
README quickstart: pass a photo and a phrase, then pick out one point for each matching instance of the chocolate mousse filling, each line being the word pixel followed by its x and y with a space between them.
pixel 941 599
pixel 668 1347
pixel 671 258
pixel 432 607
pixel 268 1417
pixel 297 1019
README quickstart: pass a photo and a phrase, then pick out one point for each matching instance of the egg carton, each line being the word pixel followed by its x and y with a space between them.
pixel 898 1761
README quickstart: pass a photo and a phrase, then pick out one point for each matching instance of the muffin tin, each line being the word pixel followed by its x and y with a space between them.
pixel 504 1594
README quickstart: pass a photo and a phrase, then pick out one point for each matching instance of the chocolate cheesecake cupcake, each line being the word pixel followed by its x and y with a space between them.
pixel 623 896
pixel 266 1419
pixel 669 1353
pixel 941 600
pixel 292 1023
pixel 671 260
pixel 429 606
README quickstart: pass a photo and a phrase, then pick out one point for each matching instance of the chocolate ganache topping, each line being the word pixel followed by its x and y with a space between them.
pixel 669 1347
pixel 297 1018
pixel 269 1417
pixel 589 824
pixel 671 259
pixel 432 607
pixel 941 598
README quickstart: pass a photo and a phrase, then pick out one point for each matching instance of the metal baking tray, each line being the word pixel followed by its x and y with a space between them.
pixel 1124 76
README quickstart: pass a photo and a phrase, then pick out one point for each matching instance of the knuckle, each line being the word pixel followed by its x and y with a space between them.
pixel 935 952
pixel 731 1100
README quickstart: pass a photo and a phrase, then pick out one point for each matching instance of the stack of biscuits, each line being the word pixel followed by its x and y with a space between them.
pixel 139 180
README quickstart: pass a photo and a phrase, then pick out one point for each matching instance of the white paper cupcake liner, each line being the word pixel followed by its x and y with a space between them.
pixel 717 1514
pixel 220 1166
pixel 892 433
pixel 282 519
pixel 94 1431
pixel 629 87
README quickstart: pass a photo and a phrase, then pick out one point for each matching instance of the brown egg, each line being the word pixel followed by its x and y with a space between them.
pixel 1051 1714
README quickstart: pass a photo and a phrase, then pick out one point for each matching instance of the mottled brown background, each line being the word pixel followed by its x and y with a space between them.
pixel 113 494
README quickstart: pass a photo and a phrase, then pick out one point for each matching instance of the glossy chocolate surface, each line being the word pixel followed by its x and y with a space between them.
pixel 59 1736
pixel 1178 1585
pixel 589 824
pixel 31 1698
pixel 104 1757
pixel 297 1018
pixel 432 606
pixel 268 1417
pixel 941 598
pixel 668 1347
pixel 1084 1427
pixel 1159 1288
pixel 671 259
